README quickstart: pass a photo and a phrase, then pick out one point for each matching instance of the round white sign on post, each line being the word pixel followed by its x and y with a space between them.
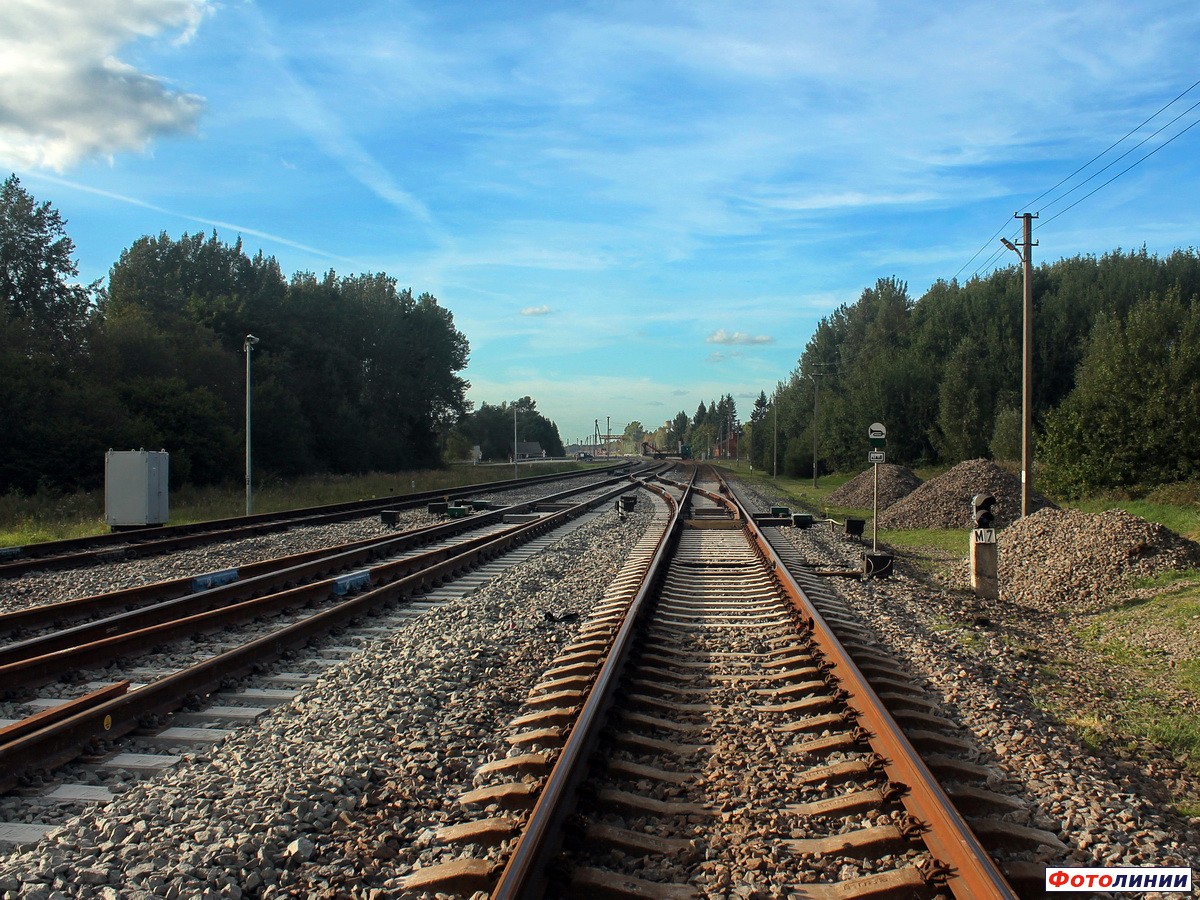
pixel 877 430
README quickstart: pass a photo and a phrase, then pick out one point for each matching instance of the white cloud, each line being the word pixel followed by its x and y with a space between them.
pixel 542 310
pixel 721 336
pixel 64 94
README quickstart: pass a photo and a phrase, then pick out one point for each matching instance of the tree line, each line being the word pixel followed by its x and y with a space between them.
pixel 1116 387
pixel 491 428
pixel 351 373
pixel 712 432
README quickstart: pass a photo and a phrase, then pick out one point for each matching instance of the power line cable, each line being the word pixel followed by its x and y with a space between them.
pixel 1100 187
pixel 1111 146
pixel 1122 156
pixel 1119 174
pixel 986 244
pixel 996 254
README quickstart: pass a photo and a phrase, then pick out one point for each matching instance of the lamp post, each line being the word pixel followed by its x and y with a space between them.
pixel 815 376
pixel 514 441
pixel 816 410
pixel 250 341
pixel 775 442
pixel 1026 258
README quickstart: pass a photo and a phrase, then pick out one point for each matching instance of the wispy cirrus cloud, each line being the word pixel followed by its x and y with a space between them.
pixel 542 310
pixel 65 95
pixel 325 126
pixel 721 336
pixel 215 223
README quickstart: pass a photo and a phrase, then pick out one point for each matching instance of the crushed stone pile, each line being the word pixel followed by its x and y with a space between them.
pixel 1065 559
pixel 945 501
pixel 895 483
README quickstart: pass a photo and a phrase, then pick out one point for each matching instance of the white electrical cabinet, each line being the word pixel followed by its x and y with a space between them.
pixel 135 488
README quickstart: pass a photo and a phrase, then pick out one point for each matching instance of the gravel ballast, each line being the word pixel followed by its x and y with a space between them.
pixel 338 793
pixel 945 501
pixel 895 483
pixel 1065 557
pixel 986 662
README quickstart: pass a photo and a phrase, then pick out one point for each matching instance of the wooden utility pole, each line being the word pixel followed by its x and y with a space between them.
pixel 815 374
pixel 1026 256
pixel 1027 377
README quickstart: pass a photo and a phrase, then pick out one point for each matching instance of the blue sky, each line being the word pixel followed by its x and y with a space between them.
pixel 628 207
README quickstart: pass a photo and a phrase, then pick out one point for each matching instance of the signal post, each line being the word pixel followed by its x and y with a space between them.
pixel 985 560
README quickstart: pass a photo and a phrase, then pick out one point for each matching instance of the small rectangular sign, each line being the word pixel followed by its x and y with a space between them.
pixel 985 535
pixel 876 456
pixel 1118 879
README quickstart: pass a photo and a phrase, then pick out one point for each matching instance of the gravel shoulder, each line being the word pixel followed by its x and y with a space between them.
pixel 337 794
pixel 1020 677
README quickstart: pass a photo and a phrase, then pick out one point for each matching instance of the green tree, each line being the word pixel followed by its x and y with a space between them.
pixel 37 290
pixel 631 438
pixel 1136 403
pixel 491 429
pixel 54 413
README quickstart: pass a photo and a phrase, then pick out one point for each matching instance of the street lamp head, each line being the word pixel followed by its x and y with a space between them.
pixel 1011 246
pixel 251 340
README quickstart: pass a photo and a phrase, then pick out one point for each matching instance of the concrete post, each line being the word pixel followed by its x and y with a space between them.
pixel 985 560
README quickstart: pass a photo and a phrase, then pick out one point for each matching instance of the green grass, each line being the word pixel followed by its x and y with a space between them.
pixel 955 541
pixel 1181 517
pixel 1188 808
pixel 1144 710
pixel 47 517
pixel 800 491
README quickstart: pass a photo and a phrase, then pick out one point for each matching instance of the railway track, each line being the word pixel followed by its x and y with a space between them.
pixel 707 724
pixel 129 544
pixel 122 672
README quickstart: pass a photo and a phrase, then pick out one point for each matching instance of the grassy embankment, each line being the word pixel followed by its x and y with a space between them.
pixel 44 517
pixel 1144 707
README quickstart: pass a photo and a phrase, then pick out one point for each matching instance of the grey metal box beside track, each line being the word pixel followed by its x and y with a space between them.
pixel 135 487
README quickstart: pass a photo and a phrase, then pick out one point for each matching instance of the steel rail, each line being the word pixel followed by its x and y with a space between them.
pixel 39 660
pixel 524 874
pixel 63 741
pixel 72 552
pixel 972 875
pixel 252 580
pixel 63 711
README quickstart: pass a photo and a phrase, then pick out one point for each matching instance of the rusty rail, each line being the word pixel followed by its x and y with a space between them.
pixel 959 860
pixel 71 552
pixel 969 871
pixel 263 578
pixel 61 741
pixel 525 872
